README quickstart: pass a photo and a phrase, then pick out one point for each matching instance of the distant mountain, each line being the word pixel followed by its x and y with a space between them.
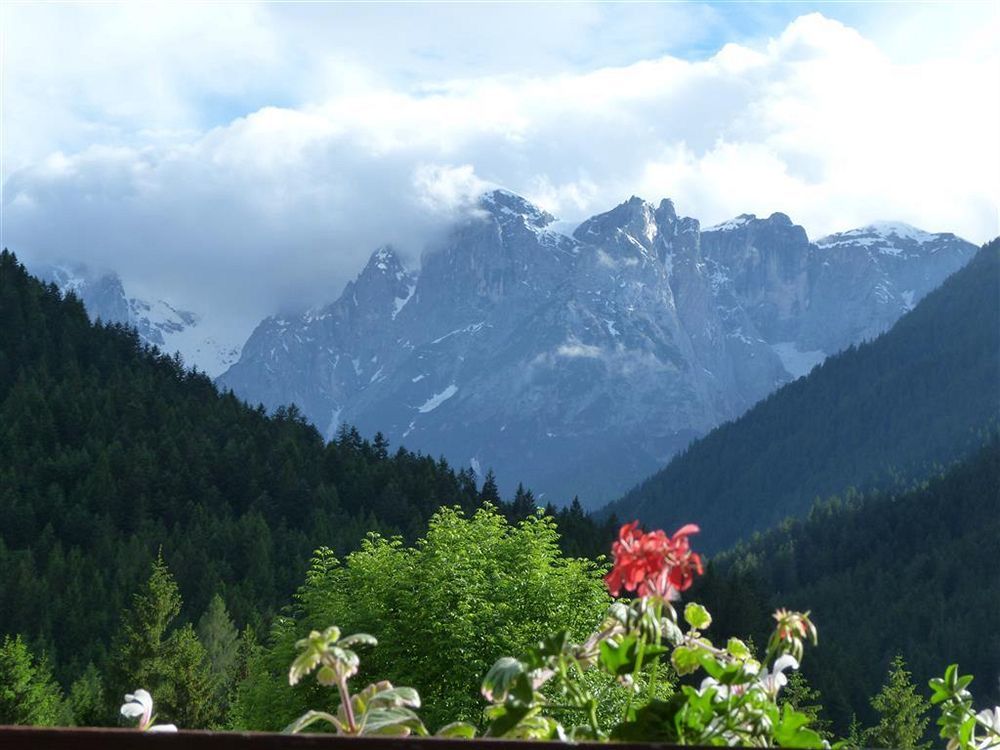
pixel 921 395
pixel 579 364
pixel 158 323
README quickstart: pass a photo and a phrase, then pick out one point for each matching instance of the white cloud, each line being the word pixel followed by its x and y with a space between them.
pixel 123 168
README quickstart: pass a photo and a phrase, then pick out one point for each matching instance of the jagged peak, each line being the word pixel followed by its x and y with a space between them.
pixel 503 203
pixel 666 210
pixel 385 261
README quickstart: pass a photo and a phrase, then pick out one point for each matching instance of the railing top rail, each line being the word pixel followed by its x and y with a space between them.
pixel 87 738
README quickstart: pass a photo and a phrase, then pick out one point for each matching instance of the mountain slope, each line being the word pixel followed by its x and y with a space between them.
pixel 915 573
pixel 579 364
pixel 918 395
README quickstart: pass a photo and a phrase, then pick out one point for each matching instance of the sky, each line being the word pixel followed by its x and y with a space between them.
pixel 242 159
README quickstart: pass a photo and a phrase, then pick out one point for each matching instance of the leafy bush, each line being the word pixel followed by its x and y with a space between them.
pixel 473 589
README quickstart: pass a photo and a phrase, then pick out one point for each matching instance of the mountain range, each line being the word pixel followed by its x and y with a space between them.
pixel 580 363
pixel 158 323
pixel 884 414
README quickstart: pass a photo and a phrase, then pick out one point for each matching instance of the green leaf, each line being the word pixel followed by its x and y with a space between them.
pixel 504 719
pixel 396 696
pixel 360 639
pixel 508 676
pixel 686 659
pixel 697 616
pixel 395 720
pixel 309 718
pixel 793 731
pixel 654 722
pixel 672 632
pixel 619 658
pixel 326 676
pixel 460 730
pixel 738 649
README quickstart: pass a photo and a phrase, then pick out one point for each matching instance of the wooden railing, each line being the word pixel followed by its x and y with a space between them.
pixel 129 739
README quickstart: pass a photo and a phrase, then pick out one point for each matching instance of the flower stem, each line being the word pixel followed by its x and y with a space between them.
pixel 635 675
pixel 345 701
pixel 654 674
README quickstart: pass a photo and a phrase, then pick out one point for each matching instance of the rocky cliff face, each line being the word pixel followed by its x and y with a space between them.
pixel 579 364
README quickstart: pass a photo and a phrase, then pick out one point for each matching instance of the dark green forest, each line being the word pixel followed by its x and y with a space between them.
pixel 111 451
pixel 878 415
pixel 915 573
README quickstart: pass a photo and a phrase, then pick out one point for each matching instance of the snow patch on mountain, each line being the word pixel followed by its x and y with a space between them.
pixel 437 399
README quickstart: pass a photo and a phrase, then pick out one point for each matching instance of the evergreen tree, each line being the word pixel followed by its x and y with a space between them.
pixel 219 637
pixel 855 739
pixel 87 699
pixel 173 667
pixel 901 710
pixel 138 649
pixel 489 493
pixel 189 697
pixel 28 693
pixel 802 697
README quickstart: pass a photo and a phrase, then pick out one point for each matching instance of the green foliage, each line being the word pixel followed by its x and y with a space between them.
pixel 219 637
pixel 914 572
pixel 443 610
pixel 87 699
pixel 901 710
pixel 807 700
pixel 881 414
pixel 378 709
pixel 960 725
pixel 545 694
pixel 172 665
pixel 28 693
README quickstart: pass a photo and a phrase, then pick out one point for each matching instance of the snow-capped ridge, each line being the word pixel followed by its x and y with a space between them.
pixel 504 205
pixel 737 222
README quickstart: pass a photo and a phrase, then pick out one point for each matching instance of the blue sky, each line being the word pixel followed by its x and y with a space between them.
pixel 240 158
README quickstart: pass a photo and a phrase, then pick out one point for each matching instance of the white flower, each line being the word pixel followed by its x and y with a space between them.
pixel 774 680
pixel 721 691
pixel 140 705
pixel 990 719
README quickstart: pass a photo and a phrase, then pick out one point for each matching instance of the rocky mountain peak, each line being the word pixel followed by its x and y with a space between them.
pixel 628 228
pixel 384 262
pixel 577 365
pixel 504 206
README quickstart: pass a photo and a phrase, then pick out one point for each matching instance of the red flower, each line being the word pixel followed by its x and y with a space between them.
pixel 653 563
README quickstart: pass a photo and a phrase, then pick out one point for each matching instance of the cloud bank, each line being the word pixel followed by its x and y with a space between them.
pixel 278 207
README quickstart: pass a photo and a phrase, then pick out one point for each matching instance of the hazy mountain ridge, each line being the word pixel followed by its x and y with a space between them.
pixel 579 364
pixel 158 323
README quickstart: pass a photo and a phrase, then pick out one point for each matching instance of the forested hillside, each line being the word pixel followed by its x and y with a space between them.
pixel 882 414
pixel 915 573
pixel 110 450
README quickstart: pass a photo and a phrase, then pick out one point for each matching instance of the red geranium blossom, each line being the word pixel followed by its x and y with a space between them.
pixel 653 563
